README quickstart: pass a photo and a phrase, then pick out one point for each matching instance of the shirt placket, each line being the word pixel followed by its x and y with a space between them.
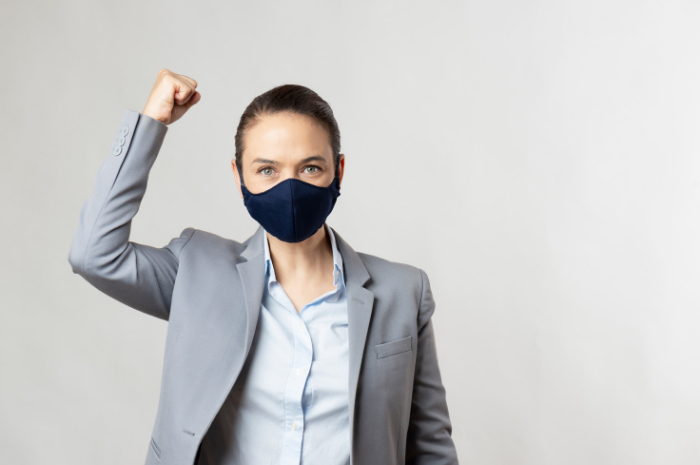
pixel 294 392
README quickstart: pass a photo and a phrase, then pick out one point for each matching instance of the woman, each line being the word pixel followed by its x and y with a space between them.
pixel 289 347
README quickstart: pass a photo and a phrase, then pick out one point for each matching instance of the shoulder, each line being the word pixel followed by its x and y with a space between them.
pixel 382 265
pixel 200 241
pixel 402 276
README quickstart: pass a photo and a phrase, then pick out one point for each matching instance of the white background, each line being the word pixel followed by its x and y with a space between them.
pixel 538 159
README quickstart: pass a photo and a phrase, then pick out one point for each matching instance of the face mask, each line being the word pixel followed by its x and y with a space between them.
pixel 292 210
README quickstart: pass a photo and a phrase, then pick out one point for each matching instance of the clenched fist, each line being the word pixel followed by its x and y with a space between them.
pixel 172 95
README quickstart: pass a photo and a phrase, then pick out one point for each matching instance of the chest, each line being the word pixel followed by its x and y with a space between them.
pixel 299 355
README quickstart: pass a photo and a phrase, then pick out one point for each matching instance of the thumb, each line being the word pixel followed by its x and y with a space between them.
pixel 196 97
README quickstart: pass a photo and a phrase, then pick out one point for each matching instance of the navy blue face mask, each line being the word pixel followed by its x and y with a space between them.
pixel 292 210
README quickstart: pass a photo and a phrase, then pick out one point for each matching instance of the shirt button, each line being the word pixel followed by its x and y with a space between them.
pixel 299 324
pixel 298 371
pixel 295 426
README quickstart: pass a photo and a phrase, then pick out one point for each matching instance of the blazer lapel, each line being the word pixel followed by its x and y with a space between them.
pixel 252 273
pixel 360 303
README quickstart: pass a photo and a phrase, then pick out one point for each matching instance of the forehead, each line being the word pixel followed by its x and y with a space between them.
pixel 284 135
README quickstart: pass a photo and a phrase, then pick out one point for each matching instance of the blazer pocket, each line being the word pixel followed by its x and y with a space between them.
pixel 399 346
pixel 156 449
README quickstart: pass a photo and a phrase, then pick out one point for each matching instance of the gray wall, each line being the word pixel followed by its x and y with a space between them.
pixel 539 160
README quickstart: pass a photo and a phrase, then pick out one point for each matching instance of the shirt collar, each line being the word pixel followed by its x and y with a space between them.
pixel 337 260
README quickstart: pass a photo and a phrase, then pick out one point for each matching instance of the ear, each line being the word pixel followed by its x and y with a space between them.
pixel 341 168
pixel 235 176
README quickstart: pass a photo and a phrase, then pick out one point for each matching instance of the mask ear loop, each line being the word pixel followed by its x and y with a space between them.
pixel 336 179
pixel 240 175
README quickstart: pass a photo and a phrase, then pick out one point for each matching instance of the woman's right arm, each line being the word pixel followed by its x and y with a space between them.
pixel 137 275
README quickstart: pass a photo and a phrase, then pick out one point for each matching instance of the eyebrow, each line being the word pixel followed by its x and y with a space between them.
pixel 305 160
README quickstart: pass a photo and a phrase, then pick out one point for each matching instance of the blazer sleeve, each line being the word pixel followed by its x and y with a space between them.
pixel 429 436
pixel 137 275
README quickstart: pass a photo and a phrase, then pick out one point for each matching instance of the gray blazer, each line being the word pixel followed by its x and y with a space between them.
pixel 209 289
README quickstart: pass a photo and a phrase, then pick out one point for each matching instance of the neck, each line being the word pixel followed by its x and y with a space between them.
pixel 304 260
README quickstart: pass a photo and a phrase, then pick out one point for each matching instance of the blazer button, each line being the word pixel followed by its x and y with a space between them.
pixel 125 131
pixel 122 140
pixel 117 150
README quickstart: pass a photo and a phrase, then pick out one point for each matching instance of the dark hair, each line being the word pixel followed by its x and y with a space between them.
pixel 292 98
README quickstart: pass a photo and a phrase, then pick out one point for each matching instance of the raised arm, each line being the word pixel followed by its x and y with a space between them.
pixel 137 275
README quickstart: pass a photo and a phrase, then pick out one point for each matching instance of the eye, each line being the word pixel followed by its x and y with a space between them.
pixel 315 169
pixel 266 170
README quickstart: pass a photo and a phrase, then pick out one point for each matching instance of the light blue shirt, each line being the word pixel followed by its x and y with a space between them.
pixel 289 404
